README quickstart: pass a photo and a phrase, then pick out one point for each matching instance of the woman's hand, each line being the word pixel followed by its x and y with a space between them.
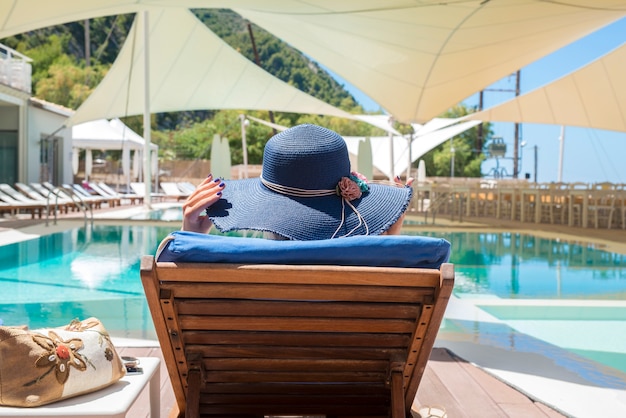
pixel 206 194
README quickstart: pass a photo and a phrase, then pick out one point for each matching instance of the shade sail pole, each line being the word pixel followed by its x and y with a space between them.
pixel 147 158
pixel 561 152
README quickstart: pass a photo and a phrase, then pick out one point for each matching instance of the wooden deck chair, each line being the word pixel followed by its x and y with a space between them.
pixel 337 328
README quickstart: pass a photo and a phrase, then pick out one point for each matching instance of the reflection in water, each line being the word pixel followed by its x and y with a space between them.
pixel 513 265
pixel 76 274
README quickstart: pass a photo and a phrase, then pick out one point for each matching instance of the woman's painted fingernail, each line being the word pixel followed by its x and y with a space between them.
pixel 209 175
pixel 218 180
pixel 219 193
pixel 222 185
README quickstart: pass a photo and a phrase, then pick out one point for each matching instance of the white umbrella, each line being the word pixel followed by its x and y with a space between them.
pixel 364 163
pixel 136 164
pixel 126 161
pixel 88 163
pixel 421 172
pixel 75 161
pixel 216 160
pixel 225 164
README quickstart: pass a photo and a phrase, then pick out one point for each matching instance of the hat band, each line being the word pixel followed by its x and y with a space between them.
pixel 297 192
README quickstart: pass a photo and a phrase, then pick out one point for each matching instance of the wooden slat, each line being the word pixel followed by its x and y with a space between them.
pixel 368 390
pixel 310 377
pixel 225 323
pixel 287 274
pixel 298 292
pixel 294 365
pixel 299 352
pixel 297 339
pixel 300 308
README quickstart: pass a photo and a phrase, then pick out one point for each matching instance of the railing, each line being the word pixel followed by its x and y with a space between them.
pixel 601 205
pixel 15 69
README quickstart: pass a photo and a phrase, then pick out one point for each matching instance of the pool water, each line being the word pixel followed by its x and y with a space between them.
pixel 547 296
pixel 77 274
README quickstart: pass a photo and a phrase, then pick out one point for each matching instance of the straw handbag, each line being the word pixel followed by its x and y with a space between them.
pixel 41 366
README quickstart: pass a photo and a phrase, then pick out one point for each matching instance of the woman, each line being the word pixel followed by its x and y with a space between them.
pixel 306 192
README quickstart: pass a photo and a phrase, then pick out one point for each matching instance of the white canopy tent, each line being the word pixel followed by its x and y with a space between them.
pixel 102 134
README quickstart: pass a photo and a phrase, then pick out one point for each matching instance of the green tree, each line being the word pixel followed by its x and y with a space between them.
pixel 467 159
pixel 67 84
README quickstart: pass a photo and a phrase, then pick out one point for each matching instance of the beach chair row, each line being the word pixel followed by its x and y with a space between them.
pixel 37 199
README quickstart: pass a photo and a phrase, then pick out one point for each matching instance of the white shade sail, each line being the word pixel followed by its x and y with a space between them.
pixel 417 59
pixel 381 149
pixel 414 58
pixel 593 96
pixel 193 69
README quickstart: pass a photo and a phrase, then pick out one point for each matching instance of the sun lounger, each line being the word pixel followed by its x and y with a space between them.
pixel 62 205
pixel 96 197
pixel 172 190
pixel 140 190
pixel 55 195
pixel 19 202
pixel 93 202
pixel 107 189
pixel 186 187
pixel 253 327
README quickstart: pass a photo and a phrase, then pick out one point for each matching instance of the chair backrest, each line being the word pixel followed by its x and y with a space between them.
pixel 250 339
pixel 14 194
pixel 171 188
pixel 32 193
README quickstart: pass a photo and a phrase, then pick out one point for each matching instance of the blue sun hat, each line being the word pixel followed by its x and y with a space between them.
pixel 307 192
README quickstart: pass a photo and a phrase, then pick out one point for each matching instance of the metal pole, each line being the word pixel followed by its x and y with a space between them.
pixel 561 151
pixel 535 164
pixel 147 161
pixel 391 165
pixel 516 144
pixel 244 145
pixel 257 60
pixel 87 44
pixel 451 159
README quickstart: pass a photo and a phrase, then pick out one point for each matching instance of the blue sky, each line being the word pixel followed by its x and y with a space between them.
pixel 590 155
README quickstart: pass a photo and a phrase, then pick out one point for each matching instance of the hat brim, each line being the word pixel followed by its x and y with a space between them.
pixel 249 205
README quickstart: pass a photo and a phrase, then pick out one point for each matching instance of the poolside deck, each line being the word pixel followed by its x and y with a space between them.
pixel 463 389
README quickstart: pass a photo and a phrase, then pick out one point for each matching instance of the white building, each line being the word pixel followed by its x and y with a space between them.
pixel 34 145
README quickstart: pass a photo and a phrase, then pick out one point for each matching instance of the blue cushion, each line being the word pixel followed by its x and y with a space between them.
pixel 382 251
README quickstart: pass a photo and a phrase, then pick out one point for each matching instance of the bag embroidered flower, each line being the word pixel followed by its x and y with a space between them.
pixel 41 366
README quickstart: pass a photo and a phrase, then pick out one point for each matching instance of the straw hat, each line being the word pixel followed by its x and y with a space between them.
pixel 307 192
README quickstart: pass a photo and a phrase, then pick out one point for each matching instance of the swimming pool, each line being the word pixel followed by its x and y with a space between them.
pixel 546 296
pixel 79 273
